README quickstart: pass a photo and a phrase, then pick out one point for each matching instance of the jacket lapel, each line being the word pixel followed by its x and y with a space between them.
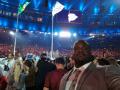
pixel 86 73
pixel 64 80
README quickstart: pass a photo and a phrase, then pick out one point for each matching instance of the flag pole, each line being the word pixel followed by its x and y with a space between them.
pixel 52 37
pixel 20 10
pixel 56 9
pixel 15 39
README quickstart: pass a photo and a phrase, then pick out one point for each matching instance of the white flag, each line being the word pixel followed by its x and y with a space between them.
pixel 57 8
pixel 72 17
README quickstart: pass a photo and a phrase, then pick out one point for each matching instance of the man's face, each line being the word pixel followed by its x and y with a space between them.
pixel 81 52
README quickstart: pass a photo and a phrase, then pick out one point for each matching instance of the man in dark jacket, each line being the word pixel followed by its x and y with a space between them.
pixel 86 75
pixel 43 67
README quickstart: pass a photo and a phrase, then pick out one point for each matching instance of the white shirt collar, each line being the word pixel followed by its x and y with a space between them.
pixel 82 67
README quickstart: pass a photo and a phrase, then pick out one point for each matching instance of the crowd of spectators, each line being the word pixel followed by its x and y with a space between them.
pixel 32 69
pixel 6 49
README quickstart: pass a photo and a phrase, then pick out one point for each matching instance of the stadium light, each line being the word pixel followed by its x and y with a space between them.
pixel 56 34
pixel 12 33
pixel 65 34
pixel 92 35
pixel 31 31
pixel 74 34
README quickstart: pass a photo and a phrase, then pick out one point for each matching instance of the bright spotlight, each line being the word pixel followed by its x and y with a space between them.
pixel 49 33
pixel 55 33
pixel 74 34
pixel 103 35
pixel 31 31
pixel 12 33
pixel 65 34
pixel 112 9
pixel 92 34
pixel 96 10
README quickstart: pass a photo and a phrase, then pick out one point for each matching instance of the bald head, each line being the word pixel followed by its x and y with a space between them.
pixel 81 44
pixel 81 51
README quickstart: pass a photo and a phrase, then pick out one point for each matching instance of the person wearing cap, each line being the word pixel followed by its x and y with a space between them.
pixel 53 78
pixel 85 75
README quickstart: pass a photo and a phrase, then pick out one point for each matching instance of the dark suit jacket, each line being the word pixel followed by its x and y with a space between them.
pixel 96 78
pixel 43 68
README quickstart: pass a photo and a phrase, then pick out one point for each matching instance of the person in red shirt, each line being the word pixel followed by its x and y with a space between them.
pixel 52 80
pixel 3 81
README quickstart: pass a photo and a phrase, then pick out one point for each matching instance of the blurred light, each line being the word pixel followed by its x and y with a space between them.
pixel 21 26
pixel 112 9
pixel 12 33
pixel 5 23
pixel 50 4
pixel 26 31
pixel 48 33
pixel 39 19
pixel 92 34
pixel 43 29
pixel 0 22
pixel 74 34
pixel 45 33
pixel 34 28
pixel 103 35
pixel 4 1
pixel 14 14
pixel 40 32
pixel 9 13
pixel 66 6
pixel 55 33
pixel 21 1
pixel 36 3
pixel 0 11
pixel 6 13
pixel 15 25
pixel 65 34
pixel 81 8
pixel 30 27
pixel 31 31
pixel 96 10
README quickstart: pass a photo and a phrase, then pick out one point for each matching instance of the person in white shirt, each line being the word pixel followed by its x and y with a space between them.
pixel 10 75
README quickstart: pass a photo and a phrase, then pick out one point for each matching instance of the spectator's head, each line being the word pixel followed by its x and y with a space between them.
pixel 28 63
pixel 82 53
pixel 60 62
pixel 43 56
pixel 10 56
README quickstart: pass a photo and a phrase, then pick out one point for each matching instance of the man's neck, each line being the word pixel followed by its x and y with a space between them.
pixel 83 62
